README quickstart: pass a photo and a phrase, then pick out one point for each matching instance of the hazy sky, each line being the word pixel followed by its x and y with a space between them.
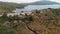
pixel 26 1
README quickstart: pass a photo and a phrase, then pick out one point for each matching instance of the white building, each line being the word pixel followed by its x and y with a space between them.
pixel 12 14
pixel 28 13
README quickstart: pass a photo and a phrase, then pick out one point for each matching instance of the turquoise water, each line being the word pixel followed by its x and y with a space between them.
pixel 38 7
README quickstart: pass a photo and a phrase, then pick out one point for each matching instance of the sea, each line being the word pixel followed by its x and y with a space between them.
pixel 36 7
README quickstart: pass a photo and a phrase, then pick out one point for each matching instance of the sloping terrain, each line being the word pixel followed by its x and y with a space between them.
pixel 46 21
pixel 42 3
pixel 13 4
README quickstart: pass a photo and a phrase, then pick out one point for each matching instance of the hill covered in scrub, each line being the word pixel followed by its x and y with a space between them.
pixel 6 8
pixel 13 4
pixel 9 6
pixel 46 21
pixel 42 2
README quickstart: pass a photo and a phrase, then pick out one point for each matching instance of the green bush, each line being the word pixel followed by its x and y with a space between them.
pixel 29 18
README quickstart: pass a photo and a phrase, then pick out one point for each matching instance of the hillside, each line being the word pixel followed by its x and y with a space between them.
pixel 9 7
pixel 43 3
pixel 14 4
pixel 46 21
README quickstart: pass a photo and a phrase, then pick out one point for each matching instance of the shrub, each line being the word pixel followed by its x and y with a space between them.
pixel 29 18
